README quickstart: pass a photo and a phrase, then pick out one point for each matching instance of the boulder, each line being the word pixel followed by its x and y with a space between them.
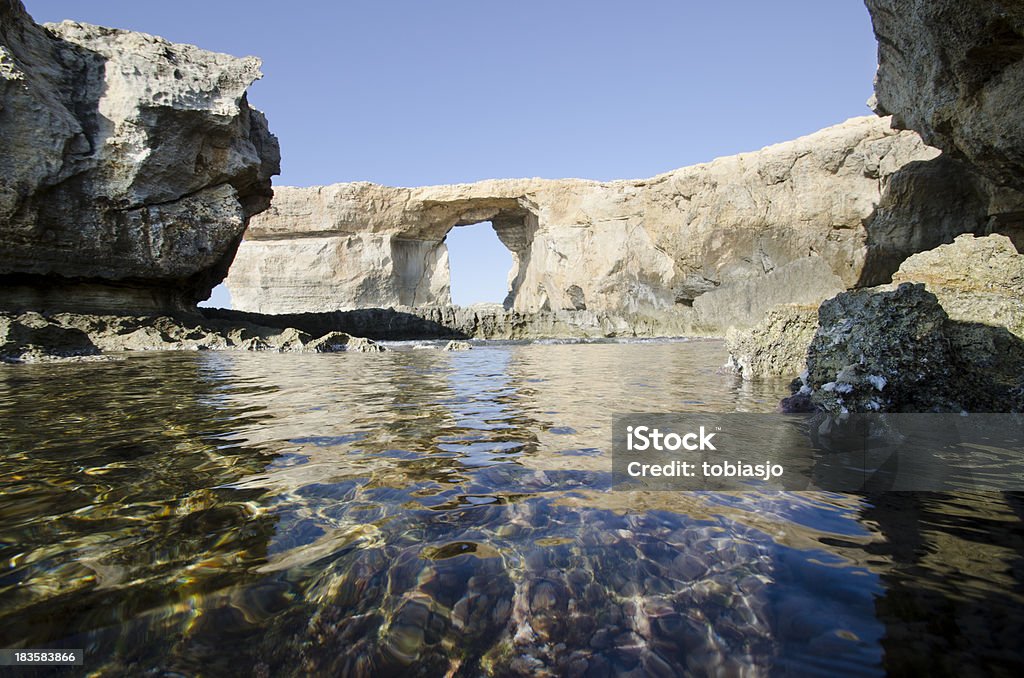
pixel 703 247
pixel 339 341
pixel 454 345
pixel 948 335
pixel 977 280
pixel 881 351
pixel 130 169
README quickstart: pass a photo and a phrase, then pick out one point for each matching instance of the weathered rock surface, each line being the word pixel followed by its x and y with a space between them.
pixel 881 351
pixel 706 246
pixel 975 279
pixel 38 337
pixel 954 71
pixel 455 345
pixel 952 340
pixel 130 166
pixel 449 322
pixel 776 346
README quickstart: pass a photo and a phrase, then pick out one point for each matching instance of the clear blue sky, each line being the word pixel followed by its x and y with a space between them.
pixel 412 92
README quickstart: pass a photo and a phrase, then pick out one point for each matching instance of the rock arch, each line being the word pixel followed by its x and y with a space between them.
pixel 420 266
pixel 708 246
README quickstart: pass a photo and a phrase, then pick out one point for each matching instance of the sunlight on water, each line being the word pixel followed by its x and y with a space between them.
pixel 371 514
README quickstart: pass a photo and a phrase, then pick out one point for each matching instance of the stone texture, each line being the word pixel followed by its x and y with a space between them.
pixel 706 246
pixel 407 322
pixel 975 279
pixel 130 167
pixel 38 337
pixel 954 71
pixel 953 339
pixel 881 351
pixel 776 346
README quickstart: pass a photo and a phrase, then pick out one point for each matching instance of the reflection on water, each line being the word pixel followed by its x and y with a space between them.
pixel 430 513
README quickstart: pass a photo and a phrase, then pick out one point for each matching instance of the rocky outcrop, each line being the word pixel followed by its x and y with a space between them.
pixel 36 337
pixel 776 346
pixel 953 70
pixel 952 340
pixel 704 247
pixel 975 279
pixel 881 351
pixel 130 166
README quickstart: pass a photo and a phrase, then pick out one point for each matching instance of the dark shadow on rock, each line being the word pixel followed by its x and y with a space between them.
pixel 32 337
pixel 989 368
pixel 373 323
pixel 925 204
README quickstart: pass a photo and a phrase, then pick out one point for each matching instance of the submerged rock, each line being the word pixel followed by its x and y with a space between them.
pixel 130 167
pixel 454 345
pixel 37 337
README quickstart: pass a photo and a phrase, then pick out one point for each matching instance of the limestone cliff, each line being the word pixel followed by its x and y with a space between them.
pixel 130 166
pixel 714 244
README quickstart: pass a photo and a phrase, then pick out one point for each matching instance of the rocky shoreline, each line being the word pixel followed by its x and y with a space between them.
pixel 33 337
pixel 139 177
pixel 948 333
pixel 474 322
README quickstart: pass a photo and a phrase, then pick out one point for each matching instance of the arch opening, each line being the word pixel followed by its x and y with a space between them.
pixel 480 265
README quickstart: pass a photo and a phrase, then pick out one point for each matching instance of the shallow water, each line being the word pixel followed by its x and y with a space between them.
pixel 419 512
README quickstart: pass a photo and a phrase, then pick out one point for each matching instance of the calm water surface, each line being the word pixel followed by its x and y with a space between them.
pixel 426 513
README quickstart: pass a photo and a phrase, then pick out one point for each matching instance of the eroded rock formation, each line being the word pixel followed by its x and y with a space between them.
pixel 946 335
pixel 705 247
pixel 130 166
pixel 953 70
pixel 776 346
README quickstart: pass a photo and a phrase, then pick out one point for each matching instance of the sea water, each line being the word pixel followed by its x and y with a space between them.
pixel 418 512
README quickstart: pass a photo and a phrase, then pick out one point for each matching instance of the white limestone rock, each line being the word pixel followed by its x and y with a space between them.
pixel 704 247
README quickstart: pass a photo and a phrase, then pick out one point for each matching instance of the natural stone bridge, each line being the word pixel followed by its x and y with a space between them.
pixel 714 245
